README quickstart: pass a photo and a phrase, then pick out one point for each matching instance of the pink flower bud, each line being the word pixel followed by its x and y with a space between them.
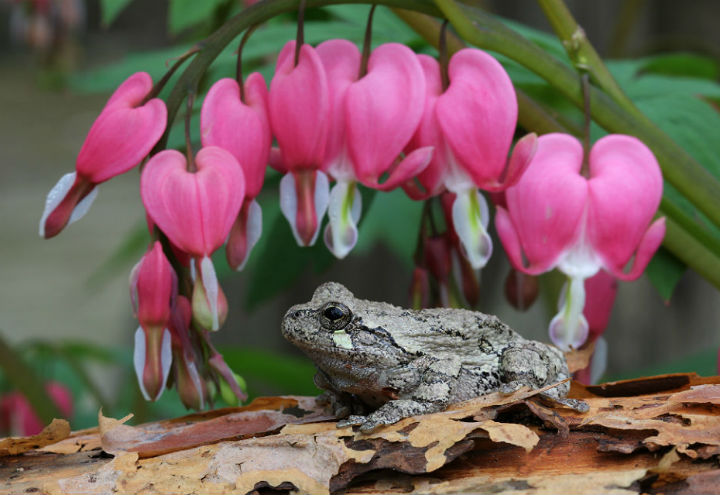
pixel 123 134
pixel 153 288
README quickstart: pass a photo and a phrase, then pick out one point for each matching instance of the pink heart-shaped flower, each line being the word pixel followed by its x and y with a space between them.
pixel 194 209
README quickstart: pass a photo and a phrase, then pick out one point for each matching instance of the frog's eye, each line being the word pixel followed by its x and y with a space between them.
pixel 335 316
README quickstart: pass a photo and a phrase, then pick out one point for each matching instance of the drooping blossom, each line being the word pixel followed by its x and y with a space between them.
pixel 372 118
pixel 471 125
pixel 18 418
pixel 557 218
pixel 153 289
pixel 237 120
pixel 123 134
pixel 299 109
pixel 196 211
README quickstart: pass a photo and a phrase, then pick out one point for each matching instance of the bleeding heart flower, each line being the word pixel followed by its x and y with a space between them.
pixel 299 107
pixel 123 134
pixel 195 209
pixel 471 125
pixel 373 116
pixel 555 217
pixel 237 120
pixel 153 288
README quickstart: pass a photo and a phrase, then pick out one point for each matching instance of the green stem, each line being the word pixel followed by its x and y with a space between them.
pixel 23 379
pixel 679 168
pixel 692 252
pixel 581 51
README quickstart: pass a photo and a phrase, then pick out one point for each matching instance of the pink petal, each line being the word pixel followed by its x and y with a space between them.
pixel 478 114
pixel 646 249
pixel 244 234
pixel 522 154
pixel 155 287
pixel 625 190
pixel 299 106
pixel 195 210
pixel 409 167
pixel 429 133
pixel 242 128
pixel 548 202
pixel 304 197
pixel 383 109
pixel 600 292
pixel 275 160
pixel 124 132
pixel 341 60
pixel 511 242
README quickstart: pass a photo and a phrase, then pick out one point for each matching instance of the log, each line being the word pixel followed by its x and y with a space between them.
pixel 649 435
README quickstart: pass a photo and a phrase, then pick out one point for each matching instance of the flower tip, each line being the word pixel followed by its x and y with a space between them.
pixel 152 358
pixel 568 335
pixel 68 201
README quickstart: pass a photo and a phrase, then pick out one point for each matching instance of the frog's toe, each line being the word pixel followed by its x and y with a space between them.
pixel 354 420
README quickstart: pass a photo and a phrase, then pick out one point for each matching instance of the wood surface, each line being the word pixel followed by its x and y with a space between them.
pixel 650 435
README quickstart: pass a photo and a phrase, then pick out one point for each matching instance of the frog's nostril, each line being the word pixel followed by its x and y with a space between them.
pixel 297 314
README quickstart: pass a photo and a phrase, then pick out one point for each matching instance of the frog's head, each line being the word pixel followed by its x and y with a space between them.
pixel 333 325
pixel 321 323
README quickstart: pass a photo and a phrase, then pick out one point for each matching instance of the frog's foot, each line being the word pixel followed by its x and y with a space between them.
pixel 390 413
pixel 574 404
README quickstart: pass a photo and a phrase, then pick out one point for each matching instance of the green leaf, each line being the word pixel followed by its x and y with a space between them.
pixel 683 64
pixel 285 374
pixel 664 272
pixel 186 13
pixel 111 9
pixel 108 77
pixel 392 219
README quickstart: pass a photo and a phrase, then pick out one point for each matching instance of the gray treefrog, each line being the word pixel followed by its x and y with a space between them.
pixel 379 363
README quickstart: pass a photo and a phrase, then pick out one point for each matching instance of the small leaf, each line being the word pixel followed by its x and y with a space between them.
pixel 111 9
pixel 664 272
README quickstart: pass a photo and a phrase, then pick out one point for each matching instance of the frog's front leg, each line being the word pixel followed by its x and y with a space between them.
pixel 431 395
pixel 341 404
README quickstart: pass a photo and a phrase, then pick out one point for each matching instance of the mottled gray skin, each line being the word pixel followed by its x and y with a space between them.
pixel 390 362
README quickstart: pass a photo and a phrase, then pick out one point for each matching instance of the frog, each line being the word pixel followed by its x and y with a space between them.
pixel 378 363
